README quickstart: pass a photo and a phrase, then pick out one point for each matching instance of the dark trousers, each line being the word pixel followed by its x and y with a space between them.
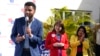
pixel 26 52
pixel 97 50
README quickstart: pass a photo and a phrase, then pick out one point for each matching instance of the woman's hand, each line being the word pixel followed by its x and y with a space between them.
pixel 82 38
pixel 58 44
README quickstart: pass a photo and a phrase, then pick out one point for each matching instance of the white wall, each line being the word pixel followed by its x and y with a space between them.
pixel 92 5
pixel 44 6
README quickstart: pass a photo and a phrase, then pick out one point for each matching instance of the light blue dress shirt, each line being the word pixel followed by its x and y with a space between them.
pixel 27 37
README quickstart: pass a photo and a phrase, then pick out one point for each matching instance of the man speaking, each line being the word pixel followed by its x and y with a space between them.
pixel 27 32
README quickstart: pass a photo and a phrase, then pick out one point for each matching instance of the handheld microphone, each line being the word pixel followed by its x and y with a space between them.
pixel 27 21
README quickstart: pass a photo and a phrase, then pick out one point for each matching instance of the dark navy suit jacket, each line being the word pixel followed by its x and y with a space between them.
pixel 37 31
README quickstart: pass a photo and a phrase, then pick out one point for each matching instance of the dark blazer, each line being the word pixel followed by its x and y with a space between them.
pixel 37 31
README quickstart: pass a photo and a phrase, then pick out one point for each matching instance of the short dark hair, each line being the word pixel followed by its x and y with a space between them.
pixel 30 4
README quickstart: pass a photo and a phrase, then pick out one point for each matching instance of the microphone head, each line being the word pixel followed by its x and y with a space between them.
pixel 27 18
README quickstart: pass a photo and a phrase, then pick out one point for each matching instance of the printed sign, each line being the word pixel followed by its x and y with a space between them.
pixel 43 50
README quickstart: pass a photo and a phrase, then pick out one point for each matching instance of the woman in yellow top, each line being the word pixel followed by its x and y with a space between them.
pixel 79 43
